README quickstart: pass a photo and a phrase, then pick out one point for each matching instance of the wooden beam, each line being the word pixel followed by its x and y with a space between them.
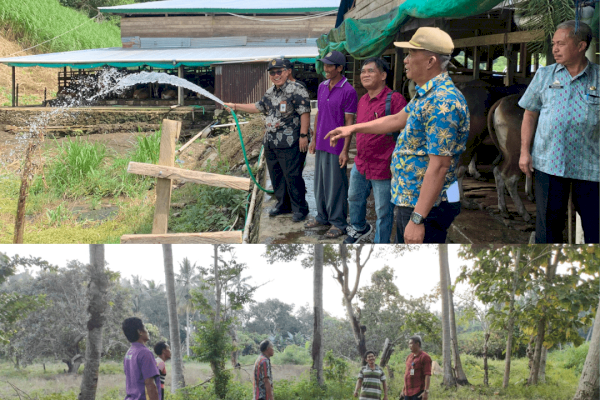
pixel 170 130
pixel 232 237
pixel 205 178
pixel 14 79
pixel 500 38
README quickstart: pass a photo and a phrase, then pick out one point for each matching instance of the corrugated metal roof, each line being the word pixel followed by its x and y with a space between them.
pixel 234 6
pixel 162 58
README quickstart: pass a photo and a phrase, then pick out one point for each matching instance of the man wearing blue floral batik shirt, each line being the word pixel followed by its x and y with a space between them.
pixel 561 107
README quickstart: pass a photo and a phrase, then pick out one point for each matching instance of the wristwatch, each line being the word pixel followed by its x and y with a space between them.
pixel 416 218
pixel 304 135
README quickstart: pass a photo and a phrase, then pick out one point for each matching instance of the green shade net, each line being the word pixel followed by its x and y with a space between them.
pixel 364 38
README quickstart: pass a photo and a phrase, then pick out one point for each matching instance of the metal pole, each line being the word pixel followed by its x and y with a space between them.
pixel 14 79
pixel 180 89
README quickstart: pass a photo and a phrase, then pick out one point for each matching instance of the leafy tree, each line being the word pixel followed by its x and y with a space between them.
pixel 59 329
pixel 272 317
pixel 13 306
pixel 212 334
pixel 550 306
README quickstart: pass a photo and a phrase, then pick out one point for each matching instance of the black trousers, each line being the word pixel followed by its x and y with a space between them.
pixel 436 224
pixel 285 169
pixel 552 198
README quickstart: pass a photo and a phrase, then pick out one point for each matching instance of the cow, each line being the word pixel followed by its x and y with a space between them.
pixel 142 93
pixel 504 124
pixel 480 96
pixel 169 94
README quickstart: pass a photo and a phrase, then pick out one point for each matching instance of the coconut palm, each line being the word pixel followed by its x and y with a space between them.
pixel 187 279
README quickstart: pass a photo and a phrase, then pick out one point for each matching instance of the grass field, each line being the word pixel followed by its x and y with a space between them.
pixel 291 382
pixel 32 22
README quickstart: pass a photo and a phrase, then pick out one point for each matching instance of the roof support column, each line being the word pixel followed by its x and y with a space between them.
pixel 180 89
pixel 14 79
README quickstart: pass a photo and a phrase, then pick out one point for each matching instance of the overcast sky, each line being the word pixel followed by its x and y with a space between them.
pixel 417 273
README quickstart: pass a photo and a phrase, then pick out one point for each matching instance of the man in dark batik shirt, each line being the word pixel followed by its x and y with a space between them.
pixel 287 109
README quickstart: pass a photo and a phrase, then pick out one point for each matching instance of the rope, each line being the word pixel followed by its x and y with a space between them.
pixel 56 37
pixel 323 14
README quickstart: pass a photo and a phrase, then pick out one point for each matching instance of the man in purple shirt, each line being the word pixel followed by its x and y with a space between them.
pixel 141 372
pixel 336 100
pixel 371 170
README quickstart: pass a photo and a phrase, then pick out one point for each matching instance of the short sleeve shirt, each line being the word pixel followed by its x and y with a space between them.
pixel 438 124
pixel 374 152
pixel 162 369
pixel 414 384
pixel 283 107
pixel 372 382
pixel 333 106
pixel 262 369
pixel 139 365
pixel 566 141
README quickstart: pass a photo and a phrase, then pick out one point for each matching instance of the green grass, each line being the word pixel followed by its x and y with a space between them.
pixel 35 21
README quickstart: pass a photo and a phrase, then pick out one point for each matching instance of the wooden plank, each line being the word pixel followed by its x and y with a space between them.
pixel 232 237
pixel 500 38
pixel 170 131
pixel 186 175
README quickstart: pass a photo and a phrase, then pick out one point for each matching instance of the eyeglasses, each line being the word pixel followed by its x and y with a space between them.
pixel 278 72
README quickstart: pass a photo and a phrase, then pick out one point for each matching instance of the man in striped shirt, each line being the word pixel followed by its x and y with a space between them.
pixel 263 379
pixel 163 351
pixel 370 380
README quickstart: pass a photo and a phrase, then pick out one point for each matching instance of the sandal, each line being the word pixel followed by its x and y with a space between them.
pixel 333 232
pixel 313 223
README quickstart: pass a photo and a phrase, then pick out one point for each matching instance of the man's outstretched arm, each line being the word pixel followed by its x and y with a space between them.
pixel 380 126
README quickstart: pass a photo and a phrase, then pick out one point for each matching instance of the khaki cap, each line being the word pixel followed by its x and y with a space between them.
pixel 432 39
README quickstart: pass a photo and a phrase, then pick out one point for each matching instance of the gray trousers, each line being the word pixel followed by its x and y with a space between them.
pixel 331 190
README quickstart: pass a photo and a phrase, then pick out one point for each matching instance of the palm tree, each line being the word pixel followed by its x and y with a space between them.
pixel 97 289
pixel 449 380
pixel 178 380
pixel 186 280
pixel 317 348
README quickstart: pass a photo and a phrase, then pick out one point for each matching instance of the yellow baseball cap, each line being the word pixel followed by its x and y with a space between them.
pixel 432 39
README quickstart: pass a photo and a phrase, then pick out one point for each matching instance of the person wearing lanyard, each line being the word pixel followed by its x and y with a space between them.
pixel 417 377
pixel 561 105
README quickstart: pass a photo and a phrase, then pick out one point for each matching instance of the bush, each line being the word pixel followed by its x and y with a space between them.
pixel 292 354
pixel 572 357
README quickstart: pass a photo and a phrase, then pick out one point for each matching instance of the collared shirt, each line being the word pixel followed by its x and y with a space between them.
pixel 262 369
pixel 372 382
pixel 283 107
pixel 566 141
pixel 333 106
pixel 421 364
pixel 438 124
pixel 139 365
pixel 374 152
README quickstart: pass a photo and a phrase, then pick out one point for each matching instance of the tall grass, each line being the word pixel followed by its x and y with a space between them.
pixel 35 21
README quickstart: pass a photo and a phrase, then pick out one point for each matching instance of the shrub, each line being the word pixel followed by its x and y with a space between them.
pixel 292 354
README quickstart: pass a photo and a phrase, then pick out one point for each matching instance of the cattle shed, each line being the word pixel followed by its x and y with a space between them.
pixel 483 31
pixel 186 37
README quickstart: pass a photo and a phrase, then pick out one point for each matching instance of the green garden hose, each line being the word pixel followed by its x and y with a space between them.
pixel 237 124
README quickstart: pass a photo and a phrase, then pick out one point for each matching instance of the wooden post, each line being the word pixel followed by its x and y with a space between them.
pixel 14 80
pixel 476 57
pixel 399 69
pixel 17 98
pixel 180 89
pixel 170 132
